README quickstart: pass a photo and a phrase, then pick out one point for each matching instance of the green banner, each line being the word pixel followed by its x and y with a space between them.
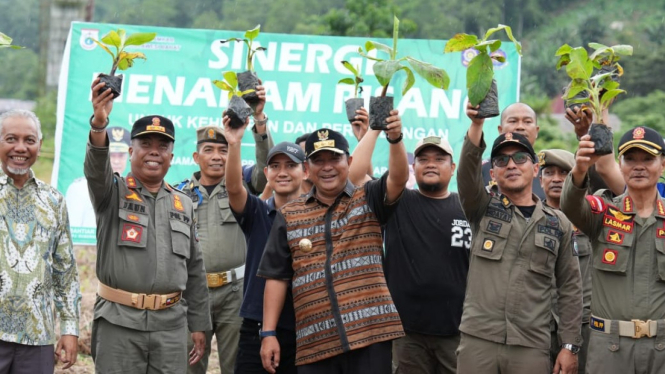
pixel 300 74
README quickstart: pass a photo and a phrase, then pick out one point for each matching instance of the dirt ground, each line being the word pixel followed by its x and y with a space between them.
pixel 85 258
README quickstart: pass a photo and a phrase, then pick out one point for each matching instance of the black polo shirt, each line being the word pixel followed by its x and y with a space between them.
pixel 256 222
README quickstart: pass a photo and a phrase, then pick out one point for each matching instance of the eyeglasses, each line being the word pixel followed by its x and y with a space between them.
pixel 518 157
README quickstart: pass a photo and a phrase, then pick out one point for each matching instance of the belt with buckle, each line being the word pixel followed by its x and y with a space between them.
pixel 138 300
pixel 220 279
pixel 633 329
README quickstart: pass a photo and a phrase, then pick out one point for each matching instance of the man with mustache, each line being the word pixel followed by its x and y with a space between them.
pixel 628 239
pixel 555 164
pixel 152 286
pixel 518 246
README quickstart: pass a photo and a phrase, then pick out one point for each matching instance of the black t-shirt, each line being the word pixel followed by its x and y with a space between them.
pixel 427 260
pixel 537 189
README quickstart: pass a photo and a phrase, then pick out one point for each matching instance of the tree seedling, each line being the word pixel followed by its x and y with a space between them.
pixel 354 103
pixel 480 82
pixel 122 59
pixel 385 69
pixel 248 80
pixel 238 109
pixel 6 42
pixel 594 91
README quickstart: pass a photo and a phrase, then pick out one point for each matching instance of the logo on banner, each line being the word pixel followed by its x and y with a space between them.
pixel 86 40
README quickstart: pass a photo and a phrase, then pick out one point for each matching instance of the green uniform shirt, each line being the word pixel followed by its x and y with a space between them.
pixel 221 239
pixel 145 244
pixel 508 298
pixel 628 263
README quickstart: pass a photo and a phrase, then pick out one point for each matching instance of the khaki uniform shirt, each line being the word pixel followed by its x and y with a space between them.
pixel 628 263
pixel 221 239
pixel 145 244
pixel 513 260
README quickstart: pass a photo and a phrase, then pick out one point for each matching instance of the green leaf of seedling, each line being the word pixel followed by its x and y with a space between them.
pixel 493 44
pixel 579 67
pixel 231 40
pixel 596 65
pixel 597 46
pixel 509 32
pixel 479 77
pixel 104 48
pixel 231 93
pixel 498 58
pixel 582 100
pixel 140 38
pixel 563 50
pixel 5 40
pixel 365 55
pixel 231 78
pixel 350 68
pixel 384 71
pixel 126 59
pixel 609 84
pixel 378 46
pixel 609 95
pixel 563 60
pixel 112 38
pixel 575 88
pixel 123 64
pixel 253 33
pixel 435 76
pixel 261 49
pixel 460 42
pixel 599 51
pixel 409 81
pixel 623 49
pixel 347 81
pixel 245 92
pixel 359 80
pixel 223 85
pixel 123 38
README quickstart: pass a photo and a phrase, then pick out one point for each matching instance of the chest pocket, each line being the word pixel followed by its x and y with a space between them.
pixel 225 211
pixel 133 230
pixel 180 233
pixel 492 238
pixel 613 252
pixel 583 245
pixel 544 254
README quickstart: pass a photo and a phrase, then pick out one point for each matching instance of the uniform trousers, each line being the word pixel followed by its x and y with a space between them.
pixel 374 359
pixel 118 349
pixel 225 304
pixel 480 356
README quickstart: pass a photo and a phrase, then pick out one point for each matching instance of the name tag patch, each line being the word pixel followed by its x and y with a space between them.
pixel 542 229
pixel 133 207
pixel 131 233
pixel 499 214
pixel 610 256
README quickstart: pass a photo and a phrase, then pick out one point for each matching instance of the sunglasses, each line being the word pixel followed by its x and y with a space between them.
pixel 518 157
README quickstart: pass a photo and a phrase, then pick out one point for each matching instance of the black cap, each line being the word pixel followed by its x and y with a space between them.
pixel 644 138
pixel 153 125
pixel 512 138
pixel 295 153
pixel 326 140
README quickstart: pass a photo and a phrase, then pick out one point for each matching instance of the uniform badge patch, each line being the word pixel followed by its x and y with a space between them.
pixel 488 245
pixel 177 203
pixel 660 233
pixel 494 227
pixel 627 204
pixel 549 243
pixel 131 233
pixel 133 217
pixel 614 237
pixel 610 256
pixel 131 182
pixel 617 220
pixel 661 208
pixel 305 245
pixel 132 195
pixel 597 204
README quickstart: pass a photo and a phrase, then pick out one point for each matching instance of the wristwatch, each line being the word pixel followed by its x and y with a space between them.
pixel 575 349
pixel 265 334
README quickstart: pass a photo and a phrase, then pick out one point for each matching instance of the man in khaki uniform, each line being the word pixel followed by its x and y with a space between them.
pixel 555 164
pixel 518 246
pixel 628 238
pixel 221 238
pixel 152 285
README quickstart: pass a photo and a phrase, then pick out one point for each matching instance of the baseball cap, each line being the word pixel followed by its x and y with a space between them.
pixel 210 134
pixel 153 125
pixel 295 153
pixel 511 138
pixel 118 139
pixel 326 140
pixel 644 138
pixel 433 141
pixel 556 157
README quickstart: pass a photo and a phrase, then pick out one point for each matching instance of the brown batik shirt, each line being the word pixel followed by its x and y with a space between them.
pixel 340 295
